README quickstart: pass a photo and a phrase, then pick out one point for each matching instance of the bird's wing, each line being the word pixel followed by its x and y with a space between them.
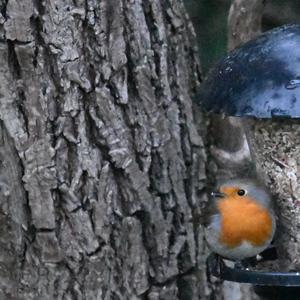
pixel 209 212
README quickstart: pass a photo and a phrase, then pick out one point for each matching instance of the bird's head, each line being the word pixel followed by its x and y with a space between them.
pixel 243 188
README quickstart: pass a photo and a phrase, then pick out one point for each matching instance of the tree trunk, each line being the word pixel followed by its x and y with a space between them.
pixel 103 169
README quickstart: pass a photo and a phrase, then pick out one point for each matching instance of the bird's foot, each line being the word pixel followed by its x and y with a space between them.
pixel 214 266
pixel 239 265
pixel 246 263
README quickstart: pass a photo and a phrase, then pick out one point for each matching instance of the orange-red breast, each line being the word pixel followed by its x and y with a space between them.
pixel 240 222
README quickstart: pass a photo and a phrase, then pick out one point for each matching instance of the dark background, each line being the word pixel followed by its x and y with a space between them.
pixel 210 21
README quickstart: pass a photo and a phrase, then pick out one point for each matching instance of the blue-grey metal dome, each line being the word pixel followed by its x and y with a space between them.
pixel 260 79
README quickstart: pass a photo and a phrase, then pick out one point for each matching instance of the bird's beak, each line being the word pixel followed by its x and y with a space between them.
pixel 217 195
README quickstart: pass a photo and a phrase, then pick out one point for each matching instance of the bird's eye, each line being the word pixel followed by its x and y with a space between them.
pixel 241 192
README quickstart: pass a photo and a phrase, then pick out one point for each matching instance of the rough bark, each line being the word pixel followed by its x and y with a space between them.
pixel 244 21
pixel 103 169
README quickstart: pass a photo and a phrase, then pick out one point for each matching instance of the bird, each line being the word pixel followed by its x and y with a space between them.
pixel 240 221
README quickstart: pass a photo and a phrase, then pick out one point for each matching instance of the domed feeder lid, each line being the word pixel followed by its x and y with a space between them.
pixel 259 79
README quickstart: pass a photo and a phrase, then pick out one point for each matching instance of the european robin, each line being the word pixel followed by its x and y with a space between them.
pixel 240 221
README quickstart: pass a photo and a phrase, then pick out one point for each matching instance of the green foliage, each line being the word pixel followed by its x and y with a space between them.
pixel 210 21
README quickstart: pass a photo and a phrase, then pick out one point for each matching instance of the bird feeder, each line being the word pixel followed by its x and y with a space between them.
pixel 260 82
